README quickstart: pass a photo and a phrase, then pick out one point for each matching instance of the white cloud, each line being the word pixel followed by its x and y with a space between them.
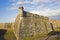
pixel 45 1
pixel 32 2
pixel 40 0
pixel 47 12
pixel 42 8
pixel 22 2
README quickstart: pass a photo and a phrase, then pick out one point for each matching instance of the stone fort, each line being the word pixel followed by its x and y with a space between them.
pixel 28 24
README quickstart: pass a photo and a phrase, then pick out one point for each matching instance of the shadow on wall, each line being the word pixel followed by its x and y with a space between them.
pixel 24 14
pixel 2 33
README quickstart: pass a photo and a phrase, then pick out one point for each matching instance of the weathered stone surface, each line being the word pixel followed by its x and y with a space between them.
pixel 56 24
pixel 28 24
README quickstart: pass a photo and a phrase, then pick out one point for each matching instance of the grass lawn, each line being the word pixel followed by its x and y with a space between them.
pixel 42 36
pixel 9 35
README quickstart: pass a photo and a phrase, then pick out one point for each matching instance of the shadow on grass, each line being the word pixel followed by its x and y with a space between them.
pixel 54 33
pixel 2 33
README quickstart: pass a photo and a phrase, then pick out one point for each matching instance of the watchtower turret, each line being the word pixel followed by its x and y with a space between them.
pixel 21 9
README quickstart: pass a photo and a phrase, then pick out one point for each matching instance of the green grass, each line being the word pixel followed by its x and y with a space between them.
pixel 9 35
pixel 41 36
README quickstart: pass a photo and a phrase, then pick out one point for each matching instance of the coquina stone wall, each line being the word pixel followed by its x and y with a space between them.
pixel 56 24
pixel 28 24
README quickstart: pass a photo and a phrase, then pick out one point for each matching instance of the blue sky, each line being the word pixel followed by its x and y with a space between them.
pixel 9 8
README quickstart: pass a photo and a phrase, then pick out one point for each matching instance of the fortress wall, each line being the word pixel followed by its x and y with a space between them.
pixel 31 26
pixel 17 23
pixel 56 24
pixel 28 24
